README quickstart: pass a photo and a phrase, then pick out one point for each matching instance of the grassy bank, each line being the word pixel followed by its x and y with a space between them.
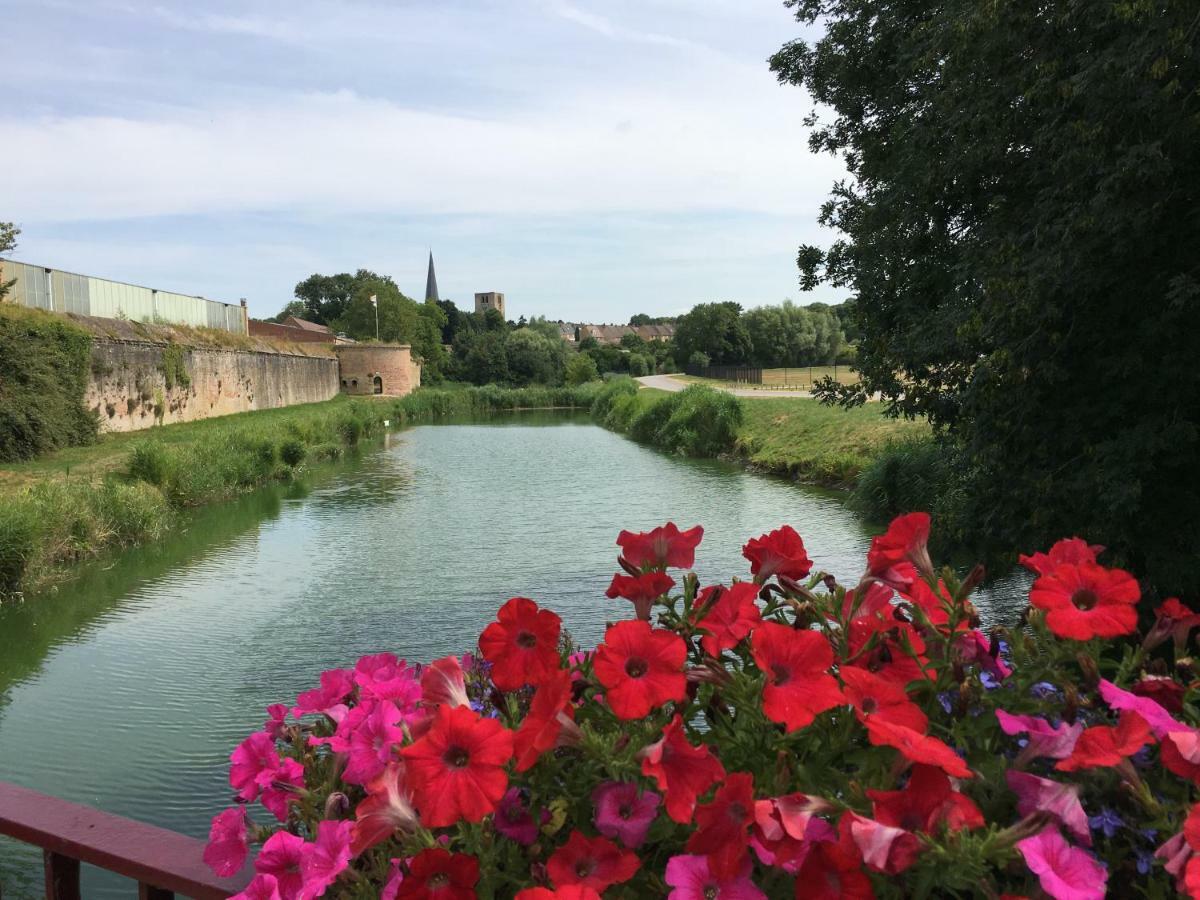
pixel 794 436
pixel 128 489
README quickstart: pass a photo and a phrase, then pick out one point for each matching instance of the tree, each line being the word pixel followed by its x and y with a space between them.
pixel 791 335
pixel 581 369
pixel 295 308
pixel 8 243
pixel 401 320
pixel 632 341
pixel 325 297
pixel 482 358
pixel 1020 232
pixel 534 358
pixel 717 331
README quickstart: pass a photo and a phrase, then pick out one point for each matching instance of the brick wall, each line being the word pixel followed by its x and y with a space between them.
pixel 393 365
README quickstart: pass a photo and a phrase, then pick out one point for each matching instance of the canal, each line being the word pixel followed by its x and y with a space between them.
pixel 127 688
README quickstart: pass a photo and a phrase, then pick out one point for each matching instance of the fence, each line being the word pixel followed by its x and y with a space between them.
pixel 162 862
pixel 736 374
pixel 66 292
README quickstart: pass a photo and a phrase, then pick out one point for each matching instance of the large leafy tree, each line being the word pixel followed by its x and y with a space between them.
pixel 401 319
pixel 1020 228
pixel 326 297
pixel 791 335
pixel 717 331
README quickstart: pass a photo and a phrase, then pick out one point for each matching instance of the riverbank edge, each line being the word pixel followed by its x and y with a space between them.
pixel 60 518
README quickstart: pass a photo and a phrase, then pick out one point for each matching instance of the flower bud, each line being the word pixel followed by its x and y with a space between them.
pixel 830 582
pixel 1091 672
pixel 337 805
pixel 628 566
pixel 1158 633
pixel 973 580
pixel 1027 827
pixel 569 734
pixel 1070 704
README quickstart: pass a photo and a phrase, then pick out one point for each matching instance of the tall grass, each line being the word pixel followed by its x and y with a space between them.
pixel 908 474
pixel 697 421
pixel 54 522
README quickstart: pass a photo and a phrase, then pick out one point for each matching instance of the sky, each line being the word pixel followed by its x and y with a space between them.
pixel 589 158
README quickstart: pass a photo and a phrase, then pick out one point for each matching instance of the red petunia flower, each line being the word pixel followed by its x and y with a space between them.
pixel 872 695
pixel 438 874
pixel 662 547
pixel 916 747
pixel 386 809
pixel 896 653
pixel 833 871
pixel 905 541
pixel 522 644
pixel 596 862
pixel 443 683
pixel 1086 600
pixel 721 826
pixel 457 769
pixel 884 848
pixel 542 725
pixel 1072 551
pixel 927 802
pixel 796 663
pixel 778 552
pixel 640 590
pixel 1105 745
pixel 681 771
pixel 730 618
pixel 641 668
pixel 1166 692
pixel 1176 619
pixel 569 892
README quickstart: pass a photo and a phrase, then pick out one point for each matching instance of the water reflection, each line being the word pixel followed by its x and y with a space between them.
pixel 127 688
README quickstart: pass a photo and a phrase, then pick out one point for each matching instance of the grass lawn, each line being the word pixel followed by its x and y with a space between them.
pixel 806 439
pixel 801 378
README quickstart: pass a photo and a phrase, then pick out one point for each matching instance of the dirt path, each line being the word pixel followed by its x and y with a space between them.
pixel 667 383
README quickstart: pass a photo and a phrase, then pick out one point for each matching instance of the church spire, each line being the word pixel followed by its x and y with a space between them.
pixel 431 281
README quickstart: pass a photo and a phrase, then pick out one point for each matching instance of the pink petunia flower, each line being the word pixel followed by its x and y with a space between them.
pixel 690 879
pixel 252 765
pixel 262 887
pixel 367 736
pixel 514 819
pixel 1036 794
pixel 383 677
pixel 278 793
pixel 281 856
pixel 884 848
pixel 974 648
pixel 1055 742
pixel 785 828
pixel 395 877
pixel 276 726
pixel 336 685
pixel 1064 872
pixel 1160 721
pixel 227 845
pixel 624 812
pixel 326 858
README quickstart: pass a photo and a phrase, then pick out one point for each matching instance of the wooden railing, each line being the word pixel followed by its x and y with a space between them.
pixel 163 863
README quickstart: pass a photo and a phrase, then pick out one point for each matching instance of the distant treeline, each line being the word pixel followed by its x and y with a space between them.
pixel 768 336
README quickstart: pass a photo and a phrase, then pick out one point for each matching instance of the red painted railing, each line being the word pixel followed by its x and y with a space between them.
pixel 163 863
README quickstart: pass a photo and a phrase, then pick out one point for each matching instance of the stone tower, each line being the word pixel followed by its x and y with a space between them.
pixel 431 292
pixel 489 300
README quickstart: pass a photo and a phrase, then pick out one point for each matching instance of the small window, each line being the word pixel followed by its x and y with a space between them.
pixel 353 382
pixel 378 385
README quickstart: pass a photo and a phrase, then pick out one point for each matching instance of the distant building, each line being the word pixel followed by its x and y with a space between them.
pixel 655 332
pixel 489 300
pixel 293 322
pixel 431 291
pixel 568 331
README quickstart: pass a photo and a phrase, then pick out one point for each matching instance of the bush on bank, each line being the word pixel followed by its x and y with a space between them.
pixel 697 421
pixel 54 523
pixel 780 735
pixel 44 362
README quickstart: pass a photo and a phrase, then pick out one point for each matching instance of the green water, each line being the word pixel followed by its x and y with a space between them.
pixel 127 688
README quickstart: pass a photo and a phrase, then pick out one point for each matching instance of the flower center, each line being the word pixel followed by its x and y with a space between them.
pixel 736 812
pixel 625 811
pixel 712 891
pixel 585 867
pixel 526 639
pixel 869 705
pixel 440 880
pixel 456 757
pixel 635 667
pixel 781 675
pixel 1084 599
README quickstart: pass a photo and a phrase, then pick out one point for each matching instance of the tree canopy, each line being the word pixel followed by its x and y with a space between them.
pixel 1020 231
pixel 717 331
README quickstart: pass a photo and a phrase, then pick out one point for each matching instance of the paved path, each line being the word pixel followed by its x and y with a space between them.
pixel 667 383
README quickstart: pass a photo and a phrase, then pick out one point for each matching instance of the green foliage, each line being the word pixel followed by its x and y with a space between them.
pixel 1019 229
pixel 716 330
pixel 697 421
pixel 44 364
pixel 173 368
pixel 581 369
pixel 791 335
pixel 297 308
pixel 909 475
pixel 8 242
pixel 698 359
pixel 324 298
pixel 533 354
pixel 292 452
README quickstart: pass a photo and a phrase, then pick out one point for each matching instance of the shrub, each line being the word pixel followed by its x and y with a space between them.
pixel 581 369
pixel 44 365
pixel 18 544
pixel 750 739
pixel 702 422
pixel 149 462
pixel 292 452
pixel 698 359
pixel 620 386
pixel 910 474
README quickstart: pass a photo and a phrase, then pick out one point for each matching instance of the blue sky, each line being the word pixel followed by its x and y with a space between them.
pixel 590 159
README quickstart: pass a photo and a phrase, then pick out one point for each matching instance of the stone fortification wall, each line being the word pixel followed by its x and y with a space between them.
pixel 147 375
pixel 385 369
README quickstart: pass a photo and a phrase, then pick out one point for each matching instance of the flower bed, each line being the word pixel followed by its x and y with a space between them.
pixel 774 737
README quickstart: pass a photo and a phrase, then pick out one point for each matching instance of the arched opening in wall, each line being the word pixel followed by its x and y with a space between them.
pixel 378 382
pixel 353 382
